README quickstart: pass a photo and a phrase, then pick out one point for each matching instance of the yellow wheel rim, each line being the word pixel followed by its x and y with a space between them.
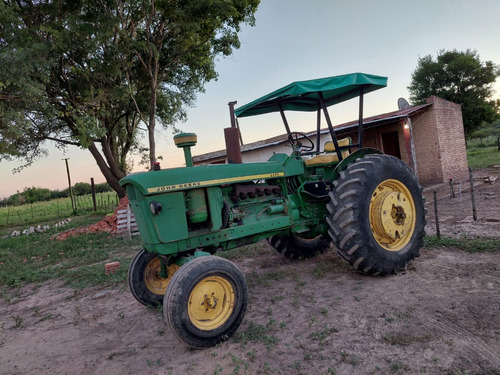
pixel 211 303
pixel 392 215
pixel 154 282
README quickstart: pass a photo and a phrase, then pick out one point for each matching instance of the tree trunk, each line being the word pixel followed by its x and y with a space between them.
pixel 151 127
pixel 152 112
pixel 108 174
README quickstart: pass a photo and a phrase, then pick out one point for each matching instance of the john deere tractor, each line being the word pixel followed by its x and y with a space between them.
pixel 366 205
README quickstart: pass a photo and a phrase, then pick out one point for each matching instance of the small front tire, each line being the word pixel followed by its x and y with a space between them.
pixel 205 301
pixel 145 280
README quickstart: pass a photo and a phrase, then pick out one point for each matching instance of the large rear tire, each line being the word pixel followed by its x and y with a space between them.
pixel 205 301
pixel 145 280
pixel 377 215
pixel 294 247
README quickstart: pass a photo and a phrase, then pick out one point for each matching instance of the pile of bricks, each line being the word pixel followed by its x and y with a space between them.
pixel 108 224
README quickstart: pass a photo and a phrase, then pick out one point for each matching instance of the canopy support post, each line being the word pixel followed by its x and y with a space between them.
pixel 282 113
pixel 330 126
pixel 318 130
pixel 360 124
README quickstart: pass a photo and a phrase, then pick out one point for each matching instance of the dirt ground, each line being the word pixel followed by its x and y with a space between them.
pixel 315 316
pixel 455 214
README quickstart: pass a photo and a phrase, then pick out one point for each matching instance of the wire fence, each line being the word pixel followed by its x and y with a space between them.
pixel 11 216
pixel 469 208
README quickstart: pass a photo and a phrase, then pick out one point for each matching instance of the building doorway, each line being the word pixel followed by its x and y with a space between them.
pixel 390 144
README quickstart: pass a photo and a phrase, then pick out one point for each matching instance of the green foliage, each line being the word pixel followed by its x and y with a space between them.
pixel 82 188
pixel 462 78
pixel 487 130
pixel 471 245
pixel 36 194
pixel 87 73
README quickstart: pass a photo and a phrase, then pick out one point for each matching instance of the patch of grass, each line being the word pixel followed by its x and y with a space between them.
pixel 44 318
pixel 238 362
pixel 266 278
pixel 256 333
pixel 55 209
pixel 18 322
pixel 404 339
pixel 483 157
pixel 329 266
pixel 471 245
pixel 78 261
pixel 322 335
pixel 395 366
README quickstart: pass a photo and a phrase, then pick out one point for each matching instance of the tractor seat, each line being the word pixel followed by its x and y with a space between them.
pixel 330 156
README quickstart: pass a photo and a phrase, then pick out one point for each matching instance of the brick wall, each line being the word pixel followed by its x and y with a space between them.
pixel 450 130
pixel 438 136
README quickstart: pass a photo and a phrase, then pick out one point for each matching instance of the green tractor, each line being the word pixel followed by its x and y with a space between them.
pixel 367 205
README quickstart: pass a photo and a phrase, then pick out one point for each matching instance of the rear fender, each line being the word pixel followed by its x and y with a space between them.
pixel 351 158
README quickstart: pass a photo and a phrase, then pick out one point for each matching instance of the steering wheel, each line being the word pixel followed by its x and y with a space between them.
pixel 294 140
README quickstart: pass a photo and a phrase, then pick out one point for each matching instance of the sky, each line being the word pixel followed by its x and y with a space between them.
pixel 295 40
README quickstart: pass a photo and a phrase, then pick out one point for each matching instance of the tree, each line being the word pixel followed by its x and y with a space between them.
pixel 86 73
pixel 459 77
pixel 488 130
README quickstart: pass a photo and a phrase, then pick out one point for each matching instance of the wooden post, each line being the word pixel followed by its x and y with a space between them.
pixel 473 194
pixel 438 232
pixel 73 201
pixel 8 214
pixel 452 192
pixel 93 193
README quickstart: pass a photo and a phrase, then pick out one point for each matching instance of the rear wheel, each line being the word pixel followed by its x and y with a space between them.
pixel 377 215
pixel 145 278
pixel 205 301
pixel 293 246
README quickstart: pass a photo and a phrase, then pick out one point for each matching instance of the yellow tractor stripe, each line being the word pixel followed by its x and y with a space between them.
pixel 220 181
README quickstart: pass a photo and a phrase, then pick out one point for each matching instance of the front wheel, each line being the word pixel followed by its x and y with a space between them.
pixel 377 215
pixel 205 301
pixel 145 278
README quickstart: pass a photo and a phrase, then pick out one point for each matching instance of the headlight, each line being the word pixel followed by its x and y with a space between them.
pixel 155 207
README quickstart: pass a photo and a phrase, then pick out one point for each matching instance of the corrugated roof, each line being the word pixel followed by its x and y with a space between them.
pixel 369 122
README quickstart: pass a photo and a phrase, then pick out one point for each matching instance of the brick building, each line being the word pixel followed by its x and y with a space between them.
pixel 428 137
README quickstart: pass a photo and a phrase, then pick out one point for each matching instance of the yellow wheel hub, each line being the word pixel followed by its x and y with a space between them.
pixel 392 215
pixel 211 303
pixel 154 282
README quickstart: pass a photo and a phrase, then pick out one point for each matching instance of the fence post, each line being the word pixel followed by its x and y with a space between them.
pixel 438 232
pixel 8 214
pixel 473 194
pixel 452 192
pixel 93 193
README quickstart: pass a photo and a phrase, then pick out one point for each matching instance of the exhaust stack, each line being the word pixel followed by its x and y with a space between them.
pixel 232 138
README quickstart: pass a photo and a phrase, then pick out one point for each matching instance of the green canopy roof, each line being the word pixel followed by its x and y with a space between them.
pixel 304 95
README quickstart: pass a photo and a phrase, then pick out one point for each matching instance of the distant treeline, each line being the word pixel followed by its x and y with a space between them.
pixel 36 194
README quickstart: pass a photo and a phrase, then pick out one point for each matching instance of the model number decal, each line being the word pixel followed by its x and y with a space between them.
pixel 188 185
